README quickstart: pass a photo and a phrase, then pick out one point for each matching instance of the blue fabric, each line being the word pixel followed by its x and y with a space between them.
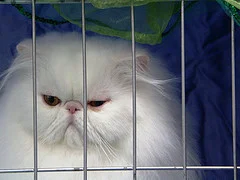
pixel 208 71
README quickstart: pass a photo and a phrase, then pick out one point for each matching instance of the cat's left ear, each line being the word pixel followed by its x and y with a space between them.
pixel 142 62
pixel 24 46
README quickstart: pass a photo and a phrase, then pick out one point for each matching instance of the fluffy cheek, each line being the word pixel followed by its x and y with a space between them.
pixel 52 123
pixel 19 95
pixel 113 123
pixel 46 116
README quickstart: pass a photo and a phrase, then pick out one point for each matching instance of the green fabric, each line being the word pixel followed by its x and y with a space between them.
pixel 231 7
pixel 104 16
pixel 150 20
pixel 39 19
pixel 120 3
pixel 234 3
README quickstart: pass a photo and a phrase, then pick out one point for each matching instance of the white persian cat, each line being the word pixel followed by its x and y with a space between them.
pixel 60 111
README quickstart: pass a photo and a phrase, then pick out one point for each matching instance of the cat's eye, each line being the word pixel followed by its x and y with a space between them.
pixel 51 100
pixel 96 103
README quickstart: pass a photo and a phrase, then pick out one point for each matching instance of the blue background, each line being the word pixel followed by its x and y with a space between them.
pixel 208 70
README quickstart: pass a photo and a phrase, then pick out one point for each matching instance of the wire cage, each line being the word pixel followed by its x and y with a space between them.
pixel 134 168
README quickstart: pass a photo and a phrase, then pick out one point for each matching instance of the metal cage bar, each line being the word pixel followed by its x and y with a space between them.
pixel 233 100
pixel 128 168
pixel 134 95
pixel 34 79
pixel 183 92
pixel 84 93
pixel 59 2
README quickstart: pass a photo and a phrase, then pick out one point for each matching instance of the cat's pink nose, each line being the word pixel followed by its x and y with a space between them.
pixel 73 106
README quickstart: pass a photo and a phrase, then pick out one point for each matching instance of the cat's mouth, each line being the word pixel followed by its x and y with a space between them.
pixel 73 134
pixel 72 125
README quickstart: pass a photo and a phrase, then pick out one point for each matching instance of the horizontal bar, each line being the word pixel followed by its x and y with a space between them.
pixel 128 168
pixel 67 2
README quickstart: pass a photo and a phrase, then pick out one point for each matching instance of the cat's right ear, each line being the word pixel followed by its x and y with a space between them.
pixel 24 46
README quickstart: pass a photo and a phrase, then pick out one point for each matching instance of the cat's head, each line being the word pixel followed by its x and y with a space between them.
pixel 60 88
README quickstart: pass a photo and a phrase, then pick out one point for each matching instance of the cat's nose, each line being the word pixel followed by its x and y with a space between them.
pixel 73 106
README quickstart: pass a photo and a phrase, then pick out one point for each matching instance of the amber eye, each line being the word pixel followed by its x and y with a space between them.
pixel 96 103
pixel 51 100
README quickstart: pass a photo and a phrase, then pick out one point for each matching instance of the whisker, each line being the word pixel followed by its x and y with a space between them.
pixel 108 147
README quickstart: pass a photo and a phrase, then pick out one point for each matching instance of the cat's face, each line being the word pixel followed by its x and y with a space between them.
pixel 60 91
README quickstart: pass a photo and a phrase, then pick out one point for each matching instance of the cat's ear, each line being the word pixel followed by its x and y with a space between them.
pixel 24 46
pixel 142 62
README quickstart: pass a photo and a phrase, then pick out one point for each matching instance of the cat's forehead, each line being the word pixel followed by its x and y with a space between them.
pixel 64 54
pixel 65 65
pixel 67 51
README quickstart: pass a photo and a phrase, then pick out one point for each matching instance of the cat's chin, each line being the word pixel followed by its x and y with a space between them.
pixel 73 137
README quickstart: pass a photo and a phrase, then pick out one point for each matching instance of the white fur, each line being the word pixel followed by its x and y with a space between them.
pixel 59 73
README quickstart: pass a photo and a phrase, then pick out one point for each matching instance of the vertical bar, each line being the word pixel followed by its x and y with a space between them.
pixel 233 100
pixel 34 78
pixel 183 92
pixel 134 95
pixel 84 93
